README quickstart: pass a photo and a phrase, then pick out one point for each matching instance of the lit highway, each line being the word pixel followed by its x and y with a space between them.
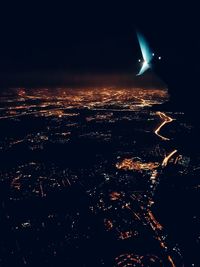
pixel 141 210
pixel 145 215
pixel 166 119
pixel 168 157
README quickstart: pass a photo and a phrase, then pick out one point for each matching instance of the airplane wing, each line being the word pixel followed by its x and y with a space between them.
pixel 145 67
pixel 146 52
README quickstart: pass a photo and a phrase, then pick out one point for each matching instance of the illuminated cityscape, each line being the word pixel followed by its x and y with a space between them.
pixel 99 134
pixel 82 176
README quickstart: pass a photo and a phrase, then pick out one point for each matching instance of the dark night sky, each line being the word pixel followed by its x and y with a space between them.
pixel 94 37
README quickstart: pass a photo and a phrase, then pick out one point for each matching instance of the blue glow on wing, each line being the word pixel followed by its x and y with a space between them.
pixel 145 66
pixel 146 53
